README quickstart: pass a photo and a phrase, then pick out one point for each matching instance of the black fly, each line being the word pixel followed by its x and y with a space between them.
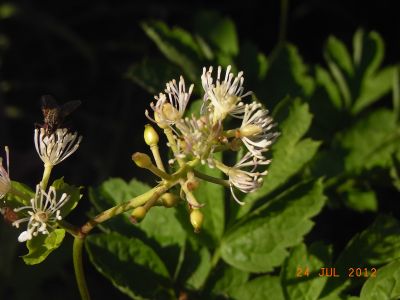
pixel 54 114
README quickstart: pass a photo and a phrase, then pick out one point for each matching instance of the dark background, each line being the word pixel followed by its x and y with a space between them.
pixel 83 49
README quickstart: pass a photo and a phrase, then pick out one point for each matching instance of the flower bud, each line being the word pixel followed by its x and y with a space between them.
pixel 150 135
pixel 169 199
pixel 142 160
pixel 138 214
pixel 196 218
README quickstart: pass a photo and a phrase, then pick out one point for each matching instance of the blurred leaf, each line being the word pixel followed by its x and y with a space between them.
pixel 373 88
pixel 196 267
pixel 7 10
pixel 377 245
pixel 261 288
pixel 177 45
pixel 369 145
pixel 290 153
pixel 325 81
pixel 132 266
pixel 336 52
pixel 287 75
pixel 226 278
pixel 162 226
pixel 152 74
pixel 259 243
pixel 369 51
pixel 220 32
pixel 42 245
pixel 16 201
pixel 299 273
pixel 73 191
pixel 361 200
pixel 385 286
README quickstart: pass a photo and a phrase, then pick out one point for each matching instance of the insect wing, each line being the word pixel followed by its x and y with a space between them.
pixel 69 107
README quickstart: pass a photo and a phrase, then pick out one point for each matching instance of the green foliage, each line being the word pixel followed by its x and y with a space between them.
pixel 385 286
pixel 42 245
pixel 73 191
pixel 121 259
pixel 17 200
pixel 259 243
pixel 335 147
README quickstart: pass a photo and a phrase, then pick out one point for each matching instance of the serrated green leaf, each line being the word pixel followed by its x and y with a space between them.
pixel 132 266
pixel 72 191
pixel 369 145
pixel 177 45
pixel 299 273
pixel 287 75
pixel 386 284
pixel 377 245
pixel 42 245
pixel 152 75
pixel 259 243
pixel 261 288
pixel 289 153
pixel 219 31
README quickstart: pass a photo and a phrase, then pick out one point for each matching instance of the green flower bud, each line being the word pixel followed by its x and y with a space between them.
pixel 150 135
pixel 142 160
pixel 138 213
pixel 196 218
pixel 169 199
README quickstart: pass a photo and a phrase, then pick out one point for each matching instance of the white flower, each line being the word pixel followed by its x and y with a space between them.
pixel 245 181
pixel 43 213
pixel 54 148
pixel 224 96
pixel 198 137
pixel 168 111
pixel 255 129
pixel 5 183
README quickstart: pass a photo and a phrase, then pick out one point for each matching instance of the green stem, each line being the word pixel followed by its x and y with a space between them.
pixel 156 154
pixel 46 176
pixel 211 178
pixel 155 192
pixel 71 229
pixel 78 266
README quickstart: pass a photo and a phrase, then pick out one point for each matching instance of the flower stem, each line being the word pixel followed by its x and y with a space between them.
pixel 211 178
pixel 156 154
pixel 46 176
pixel 78 266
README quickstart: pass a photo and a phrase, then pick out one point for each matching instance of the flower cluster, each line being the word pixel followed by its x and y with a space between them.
pixel 42 213
pixel 199 137
pixel 44 209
